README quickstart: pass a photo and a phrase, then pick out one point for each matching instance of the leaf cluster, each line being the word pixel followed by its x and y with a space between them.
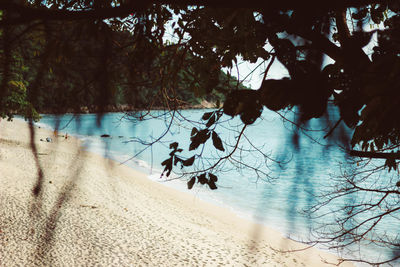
pixel 204 178
pixel 198 137
pixel 174 159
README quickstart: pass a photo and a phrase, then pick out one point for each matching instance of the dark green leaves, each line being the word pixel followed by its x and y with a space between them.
pixel 168 166
pixel 377 14
pixel 194 131
pixel 217 142
pixel 391 164
pixel 199 138
pixel 210 122
pixel 245 103
pixel 212 117
pixel 188 162
pixel 362 13
pixel 276 94
pixel 213 177
pixel 211 182
pixel 207 115
pixel 191 182
pixel 173 160
pixel 204 178
pixel 173 145
pixel 212 185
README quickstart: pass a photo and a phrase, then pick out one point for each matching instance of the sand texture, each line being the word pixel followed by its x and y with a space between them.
pixel 91 211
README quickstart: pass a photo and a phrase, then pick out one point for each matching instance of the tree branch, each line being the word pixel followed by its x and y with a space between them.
pixel 28 13
pixel 333 128
pixel 375 155
pixel 342 28
pixel 321 42
pixel 23 14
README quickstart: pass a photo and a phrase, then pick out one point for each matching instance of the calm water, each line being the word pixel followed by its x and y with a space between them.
pixel 283 174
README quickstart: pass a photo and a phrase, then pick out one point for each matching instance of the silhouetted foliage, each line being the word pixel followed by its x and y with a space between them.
pixel 80 66
pixel 58 54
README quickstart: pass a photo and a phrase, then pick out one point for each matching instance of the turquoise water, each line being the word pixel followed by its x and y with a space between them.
pixel 284 171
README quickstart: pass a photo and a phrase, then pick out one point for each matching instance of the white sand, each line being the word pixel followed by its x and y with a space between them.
pixel 95 212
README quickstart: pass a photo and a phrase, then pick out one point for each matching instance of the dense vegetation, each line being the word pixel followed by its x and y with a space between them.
pixel 70 74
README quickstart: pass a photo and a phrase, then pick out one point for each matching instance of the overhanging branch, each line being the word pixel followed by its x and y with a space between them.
pixel 26 13
pixel 320 42
pixel 23 14
pixel 374 155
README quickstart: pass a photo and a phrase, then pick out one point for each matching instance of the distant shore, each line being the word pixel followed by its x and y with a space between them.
pixel 93 211
pixel 126 108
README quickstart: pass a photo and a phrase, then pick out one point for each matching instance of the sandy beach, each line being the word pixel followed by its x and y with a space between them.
pixel 91 211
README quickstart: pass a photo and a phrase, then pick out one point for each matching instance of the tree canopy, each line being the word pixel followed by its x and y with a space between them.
pixel 345 53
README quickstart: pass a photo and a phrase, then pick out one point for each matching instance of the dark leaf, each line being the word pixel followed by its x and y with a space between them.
pixel 207 115
pixel 194 136
pixel 177 159
pixel 276 94
pixel 173 145
pixel 190 183
pixel 360 14
pixel 212 185
pixel 239 100
pixel 211 121
pixel 376 15
pixel 247 103
pixel 194 131
pixel 398 184
pixel 193 145
pixel 165 162
pixel 204 135
pixel 200 138
pixel 213 177
pixel 251 115
pixel 168 166
pixel 217 142
pixel 202 179
pixel 350 115
pixel 188 162
pixel 390 163
pixel 231 104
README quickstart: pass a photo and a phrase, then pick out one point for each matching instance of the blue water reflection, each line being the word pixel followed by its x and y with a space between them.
pixel 286 166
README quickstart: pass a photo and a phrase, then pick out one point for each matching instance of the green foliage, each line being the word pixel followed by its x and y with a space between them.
pixel 100 66
pixel 66 64
pixel 16 102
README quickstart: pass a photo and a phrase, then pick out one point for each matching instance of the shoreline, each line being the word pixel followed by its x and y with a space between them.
pixel 164 225
pixel 129 108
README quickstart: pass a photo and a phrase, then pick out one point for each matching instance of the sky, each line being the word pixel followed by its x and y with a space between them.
pixel 251 74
